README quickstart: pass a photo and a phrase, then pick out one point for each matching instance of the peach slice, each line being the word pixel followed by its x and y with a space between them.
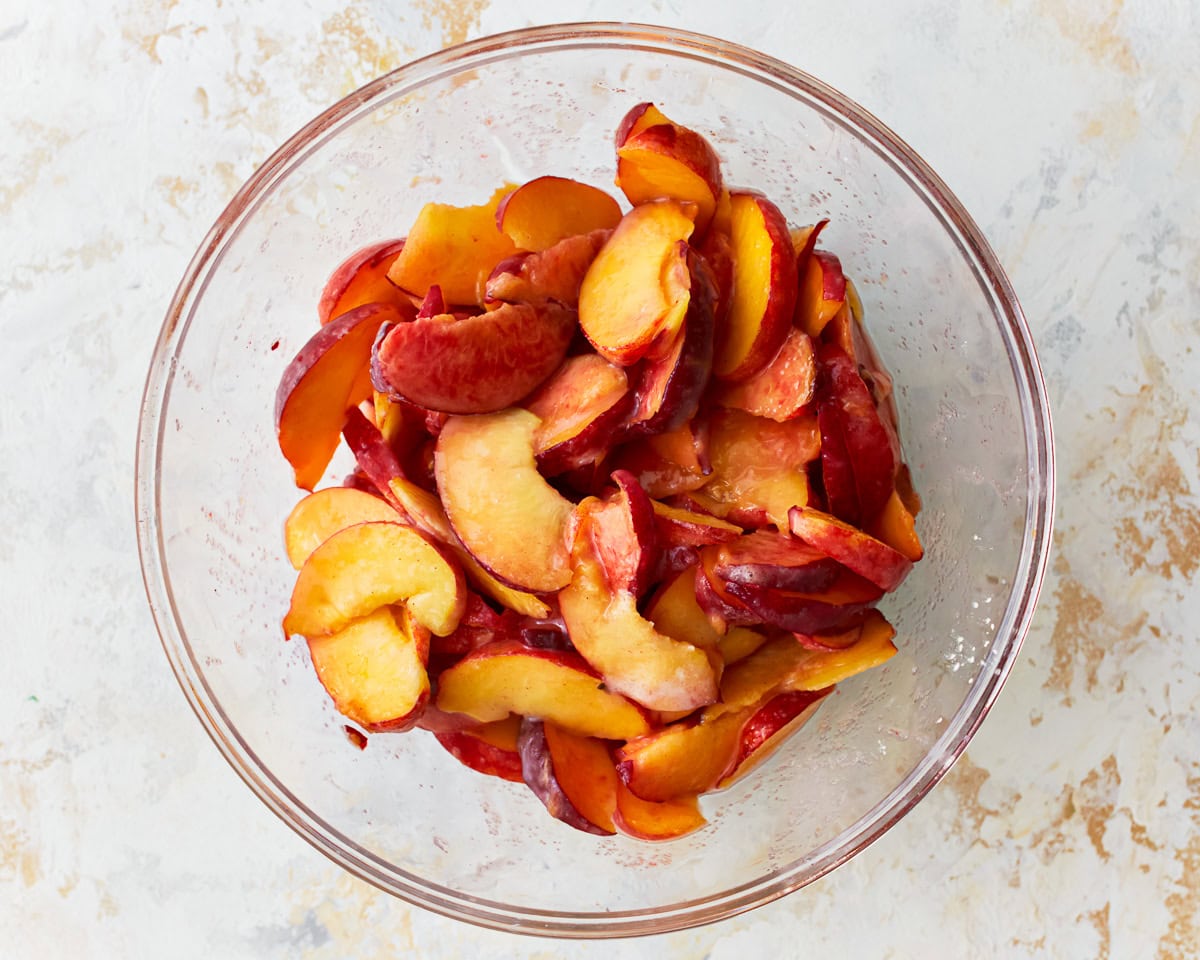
pixel 579 407
pixel 675 612
pixel 764 293
pixel 738 643
pixel 541 775
pixel 454 247
pixel 540 213
pixel 783 389
pixel 897 527
pixel 858 551
pixel 509 677
pixel 800 612
pixel 509 518
pixel 818 670
pixel 327 377
pixel 585 772
pixel 374 671
pixel 648 820
pixel 768 559
pixel 769 727
pixel 322 514
pixel 555 273
pixel 635 294
pixel 668 161
pixel 635 659
pixel 683 758
pixel 822 292
pixel 678 527
pixel 637 119
pixel 488 748
pixel 368 566
pixel 758 464
pixel 623 535
pixel 361 279
pixel 665 463
pixel 476 364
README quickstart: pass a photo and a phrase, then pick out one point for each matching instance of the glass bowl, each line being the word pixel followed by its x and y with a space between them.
pixel 213 489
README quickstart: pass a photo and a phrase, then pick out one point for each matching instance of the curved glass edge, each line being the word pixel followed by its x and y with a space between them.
pixel 1034 555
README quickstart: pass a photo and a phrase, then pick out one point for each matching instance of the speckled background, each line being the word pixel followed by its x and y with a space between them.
pixel 1070 129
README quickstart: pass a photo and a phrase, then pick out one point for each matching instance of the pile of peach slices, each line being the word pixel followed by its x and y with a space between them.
pixel 628 488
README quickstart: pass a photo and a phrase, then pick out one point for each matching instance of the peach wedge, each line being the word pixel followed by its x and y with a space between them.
pixel 320 515
pixel 544 211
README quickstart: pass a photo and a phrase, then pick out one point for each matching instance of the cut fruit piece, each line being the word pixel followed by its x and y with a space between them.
pixel 763 297
pixel 769 727
pixel 322 514
pixel 540 213
pixel 374 671
pixel 509 518
pixel 477 364
pixel 665 464
pixel 758 464
pixel 837 473
pixel 783 389
pixel 798 612
pixel 669 389
pixel 738 643
pixel 584 769
pixel 579 408
pixel 540 775
pixel 635 294
pixel 667 161
pixel 326 378
pixel 769 559
pixel 824 669
pixel 675 612
pixel 858 551
pixel 683 758
pixel 678 527
pixel 371 565
pixel 647 820
pixel 454 247
pixel 623 534
pixel 635 659
pixel 638 118
pixel 555 273
pixel 509 677
pixel 896 527
pixel 361 279
pixel 475 747
pixel 822 292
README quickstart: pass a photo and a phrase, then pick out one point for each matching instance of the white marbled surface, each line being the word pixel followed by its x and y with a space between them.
pixel 1070 129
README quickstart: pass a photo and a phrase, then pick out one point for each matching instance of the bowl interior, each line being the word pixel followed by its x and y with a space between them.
pixel 214 489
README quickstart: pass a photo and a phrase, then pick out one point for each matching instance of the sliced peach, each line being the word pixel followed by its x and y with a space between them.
pixel 488 748
pixel 675 612
pixel 509 677
pixel 454 247
pixel 822 292
pixel 541 775
pixel 368 566
pixel 800 612
pixel 477 364
pixel 540 213
pixel 770 726
pixel 665 463
pixel 758 463
pixel 635 659
pixel 322 514
pixel 361 279
pixel 668 161
pixel 584 769
pixel 769 559
pixel 324 380
pixel 637 119
pixel 763 297
pixel 555 273
pixel 858 551
pixel 623 535
pixel 681 527
pixel 683 758
pixel 783 389
pixel 896 527
pixel 648 820
pixel 374 671
pixel 824 669
pixel 579 408
pixel 739 642
pixel 509 518
pixel 635 294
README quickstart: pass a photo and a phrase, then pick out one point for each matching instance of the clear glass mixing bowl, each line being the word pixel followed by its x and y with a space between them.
pixel 213 489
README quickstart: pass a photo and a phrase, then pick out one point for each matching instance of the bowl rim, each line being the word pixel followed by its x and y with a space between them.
pixel 1011 631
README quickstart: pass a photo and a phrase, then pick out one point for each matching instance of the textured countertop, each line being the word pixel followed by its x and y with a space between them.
pixel 1070 130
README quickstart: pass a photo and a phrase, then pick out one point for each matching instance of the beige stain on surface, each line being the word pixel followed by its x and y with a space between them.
pixel 354 44
pixel 1183 905
pixel 44 145
pixel 1099 920
pixel 19 856
pixel 1094 29
pixel 966 780
pixel 456 18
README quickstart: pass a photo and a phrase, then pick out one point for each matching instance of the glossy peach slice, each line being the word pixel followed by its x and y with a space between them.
pixel 769 727
pixel 822 292
pixel 543 776
pixel 488 748
pixel 680 527
pixel 783 389
pixel 544 211
pixel 635 294
pixel 509 518
pixel 669 161
pixel 509 677
pixel 648 820
pixel 328 376
pixel 555 273
pixel 322 514
pixel 858 551
pixel 676 613
pixel 361 279
pixel 584 769
pixel 683 758
pixel 897 527
pixel 371 565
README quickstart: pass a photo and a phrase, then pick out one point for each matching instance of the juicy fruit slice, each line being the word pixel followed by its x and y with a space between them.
pixel 584 769
pixel 555 273
pixel 476 364
pixel 541 776
pixel 802 612
pixel 374 671
pixel 683 758
pixel 648 820
pixel 764 289
pixel 544 211
pixel 769 727
pixel 665 463
pixel 663 160
pixel 784 388
pixel 635 659
pixel 675 612
pixel 361 279
pixel 897 527
pixel 322 514
pixel 858 551
pixel 509 677
pixel 635 294
pixel 688 528
pixel 767 559
pixel 325 378
pixel 623 535
pixel 481 755
pixel 371 565
pixel 454 247
pixel 822 292
pixel 510 519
